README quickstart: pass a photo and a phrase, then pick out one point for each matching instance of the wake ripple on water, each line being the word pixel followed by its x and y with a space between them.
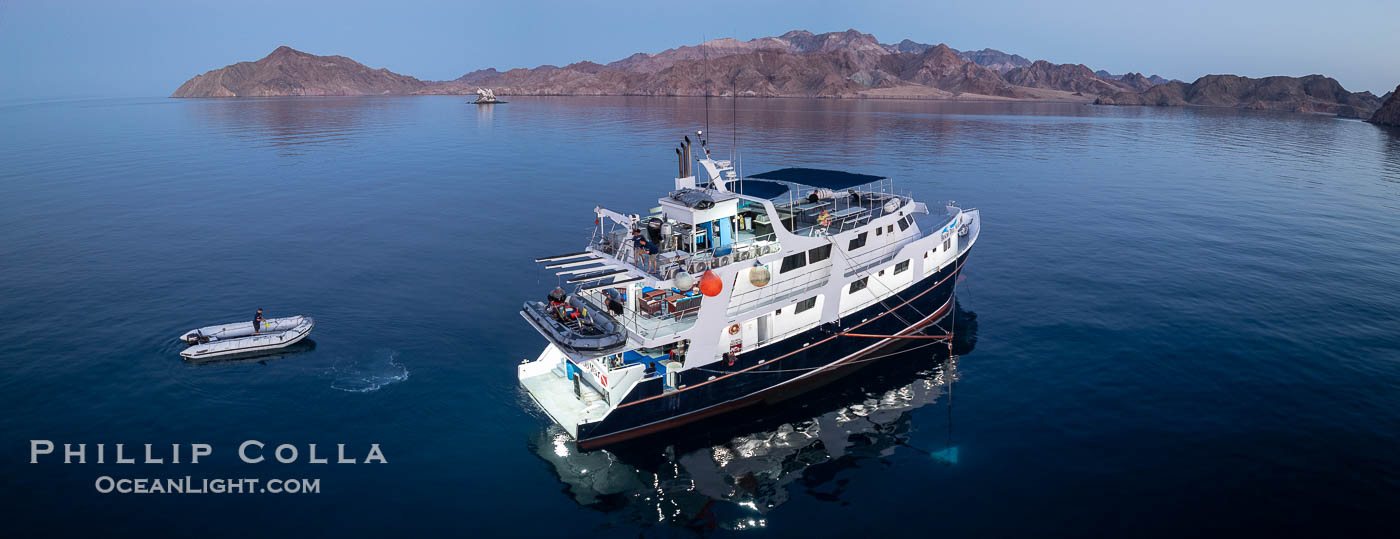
pixel 356 375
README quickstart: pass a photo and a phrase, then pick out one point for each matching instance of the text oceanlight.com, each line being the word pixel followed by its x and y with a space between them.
pixel 189 485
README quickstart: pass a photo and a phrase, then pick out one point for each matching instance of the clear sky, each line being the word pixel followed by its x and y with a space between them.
pixel 108 48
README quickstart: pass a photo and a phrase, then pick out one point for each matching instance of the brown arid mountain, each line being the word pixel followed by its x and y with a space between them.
pixel 1076 78
pixel 1313 93
pixel 1389 112
pixel 943 68
pixel 1134 79
pixel 794 42
pixel 289 72
pixel 797 63
pixel 995 60
pixel 847 64
pixel 827 71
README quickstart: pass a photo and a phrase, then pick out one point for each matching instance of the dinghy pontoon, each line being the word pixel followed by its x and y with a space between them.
pixel 238 337
pixel 575 323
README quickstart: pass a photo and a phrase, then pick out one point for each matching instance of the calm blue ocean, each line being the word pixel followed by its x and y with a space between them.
pixel 1176 321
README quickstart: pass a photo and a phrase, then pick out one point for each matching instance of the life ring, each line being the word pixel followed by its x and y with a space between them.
pixel 734 329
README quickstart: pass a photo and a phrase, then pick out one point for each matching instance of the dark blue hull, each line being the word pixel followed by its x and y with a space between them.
pixel 788 367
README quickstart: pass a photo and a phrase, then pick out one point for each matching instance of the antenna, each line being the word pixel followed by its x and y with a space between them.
pixel 705 52
pixel 734 124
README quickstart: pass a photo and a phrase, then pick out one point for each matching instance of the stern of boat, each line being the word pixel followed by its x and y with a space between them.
pixel 562 391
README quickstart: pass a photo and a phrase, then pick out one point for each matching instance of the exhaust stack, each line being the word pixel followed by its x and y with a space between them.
pixel 686 170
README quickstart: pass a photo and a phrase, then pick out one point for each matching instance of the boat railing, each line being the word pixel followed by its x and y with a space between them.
pixel 779 291
pixel 672 262
pixel 717 257
pixel 646 324
pixel 845 214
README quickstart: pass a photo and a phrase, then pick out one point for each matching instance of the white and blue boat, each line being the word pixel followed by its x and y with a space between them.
pixel 762 287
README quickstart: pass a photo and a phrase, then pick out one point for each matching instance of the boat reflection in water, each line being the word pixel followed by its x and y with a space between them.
pixel 732 477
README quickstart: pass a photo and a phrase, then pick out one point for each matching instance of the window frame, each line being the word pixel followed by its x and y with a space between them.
pixel 801 261
pixel 858 241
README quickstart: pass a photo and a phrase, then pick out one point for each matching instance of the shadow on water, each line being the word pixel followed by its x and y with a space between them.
pixel 719 474
pixel 306 345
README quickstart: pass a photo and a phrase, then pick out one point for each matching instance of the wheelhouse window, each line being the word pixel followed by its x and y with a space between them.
pixel 947 244
pixel 806 305
pixel 904 224
pixel 819 254
pixel 859 284
pixel 857 242
pixel 901 267
pixel 792 262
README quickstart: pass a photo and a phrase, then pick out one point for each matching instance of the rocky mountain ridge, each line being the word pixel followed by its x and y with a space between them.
pixel 289 72
pixel 1313 93
pixel 847 64
pixel 1389 111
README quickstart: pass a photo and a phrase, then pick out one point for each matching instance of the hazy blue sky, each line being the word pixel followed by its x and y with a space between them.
pixel 91 48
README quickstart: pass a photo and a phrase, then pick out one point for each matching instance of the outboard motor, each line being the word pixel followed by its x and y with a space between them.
pixel 654 231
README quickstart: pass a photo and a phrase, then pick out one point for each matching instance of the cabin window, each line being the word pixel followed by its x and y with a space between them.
pixel 890 229
pixel 859 284
pixel 947 244
pixel 819 254
pixel 806 305
pixel 901 267
pixel 857 242
pixel 792 262
pixel 879 231
pixel 904 224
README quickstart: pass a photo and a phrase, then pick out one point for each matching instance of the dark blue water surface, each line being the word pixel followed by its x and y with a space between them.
pixel 1176 321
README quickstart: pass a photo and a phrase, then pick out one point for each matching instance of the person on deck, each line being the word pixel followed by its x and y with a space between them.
pixel 640 250
pixel 653 249
pixel 257 321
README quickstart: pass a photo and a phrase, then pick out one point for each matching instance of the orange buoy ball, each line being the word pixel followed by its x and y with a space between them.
pixel 710 285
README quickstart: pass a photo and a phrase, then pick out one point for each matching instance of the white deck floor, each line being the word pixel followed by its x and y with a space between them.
pixel 555 394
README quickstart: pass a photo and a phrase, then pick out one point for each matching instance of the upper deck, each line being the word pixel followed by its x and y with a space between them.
pixel 715 220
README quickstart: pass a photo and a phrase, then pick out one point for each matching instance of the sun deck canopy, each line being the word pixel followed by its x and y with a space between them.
pixel 815 177
pixel 759 188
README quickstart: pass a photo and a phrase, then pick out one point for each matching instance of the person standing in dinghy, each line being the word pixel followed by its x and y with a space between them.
pixel 257 321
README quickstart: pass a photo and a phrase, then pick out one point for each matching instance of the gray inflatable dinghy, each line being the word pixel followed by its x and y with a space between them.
pixel 576 323
pixel 237 338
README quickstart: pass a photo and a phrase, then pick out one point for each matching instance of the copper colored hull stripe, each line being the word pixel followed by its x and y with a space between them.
pixel 740 402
